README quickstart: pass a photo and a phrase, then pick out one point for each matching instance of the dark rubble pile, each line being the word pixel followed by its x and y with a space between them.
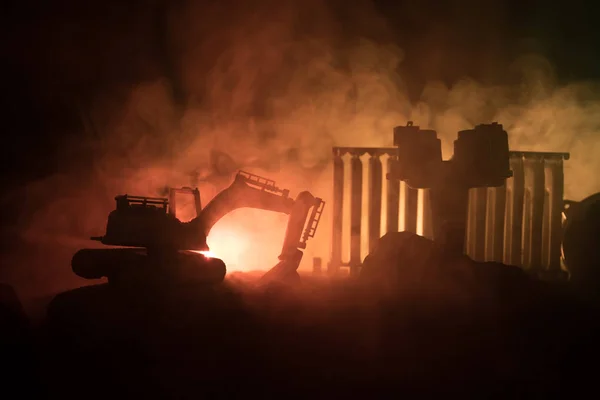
pixel 16 345
pixel 413 322
pixel 494 320
pixel 407 266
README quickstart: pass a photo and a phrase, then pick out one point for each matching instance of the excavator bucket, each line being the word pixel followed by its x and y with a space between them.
pixel 301 227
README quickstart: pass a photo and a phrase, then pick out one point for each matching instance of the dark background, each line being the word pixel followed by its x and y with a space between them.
pixel 58 50
pixel 58 55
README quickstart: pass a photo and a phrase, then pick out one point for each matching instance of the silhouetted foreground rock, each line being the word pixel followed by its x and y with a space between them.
pixel 581 245
pixel 17 349
pixel 407 266
pixel 414 322
pixel 508 327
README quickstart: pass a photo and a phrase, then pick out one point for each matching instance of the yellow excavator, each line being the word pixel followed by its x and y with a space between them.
pixel 149 241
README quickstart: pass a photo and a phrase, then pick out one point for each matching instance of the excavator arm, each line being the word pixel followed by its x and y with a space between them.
pixel 246 191
pixel 301 226
pixel 251 191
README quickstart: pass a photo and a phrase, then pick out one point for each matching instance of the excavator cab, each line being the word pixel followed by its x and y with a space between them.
pixel 173 192
pixel 150 222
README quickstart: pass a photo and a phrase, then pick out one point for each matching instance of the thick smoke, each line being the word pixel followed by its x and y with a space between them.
pixel 273 87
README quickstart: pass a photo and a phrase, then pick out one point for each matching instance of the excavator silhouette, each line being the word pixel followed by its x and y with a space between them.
pixel 154 243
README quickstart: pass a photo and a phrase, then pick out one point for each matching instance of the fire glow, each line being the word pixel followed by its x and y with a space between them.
pixel 245 239
pixel 248 239
pixel 207 254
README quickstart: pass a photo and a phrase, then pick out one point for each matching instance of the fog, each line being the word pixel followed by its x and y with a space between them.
pixel 268 88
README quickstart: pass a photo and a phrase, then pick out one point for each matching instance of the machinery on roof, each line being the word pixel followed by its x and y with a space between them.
pixel 481 159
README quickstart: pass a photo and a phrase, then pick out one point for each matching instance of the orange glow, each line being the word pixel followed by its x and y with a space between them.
pixel 208 254
pixel 420 212
pixel 248 239
pixel 251 239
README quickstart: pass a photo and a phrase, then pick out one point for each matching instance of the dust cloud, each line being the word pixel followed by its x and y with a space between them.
pixel 270 88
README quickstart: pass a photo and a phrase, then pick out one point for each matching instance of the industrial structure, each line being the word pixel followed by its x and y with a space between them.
pixel 518 223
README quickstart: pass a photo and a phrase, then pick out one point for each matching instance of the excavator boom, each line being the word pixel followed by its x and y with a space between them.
pixel 246 191
pixel 251 191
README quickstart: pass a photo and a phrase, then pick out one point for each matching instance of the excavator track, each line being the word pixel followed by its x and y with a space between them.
pixel 114 264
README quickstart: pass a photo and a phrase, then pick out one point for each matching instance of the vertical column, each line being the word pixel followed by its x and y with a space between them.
pixel 375 188
pixel 427 221
pixel 545 258
pixel 476 230
pixel 449 213
pixel 534 212
pixel 393 200
pixel 356 170
pixel 495 224
pixel 514 213
pixel 555 184
pixel 338 212
pixel 317 266
pixel 411 205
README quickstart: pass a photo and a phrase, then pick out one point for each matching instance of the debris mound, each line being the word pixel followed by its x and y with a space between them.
pixel 404 264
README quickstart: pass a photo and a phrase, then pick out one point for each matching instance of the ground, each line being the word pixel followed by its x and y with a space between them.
pixel 468 329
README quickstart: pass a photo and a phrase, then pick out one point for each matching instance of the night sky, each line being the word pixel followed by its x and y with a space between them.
pixel 59 50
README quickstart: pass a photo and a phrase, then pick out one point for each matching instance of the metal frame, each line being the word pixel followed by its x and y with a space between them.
pixel 519 223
